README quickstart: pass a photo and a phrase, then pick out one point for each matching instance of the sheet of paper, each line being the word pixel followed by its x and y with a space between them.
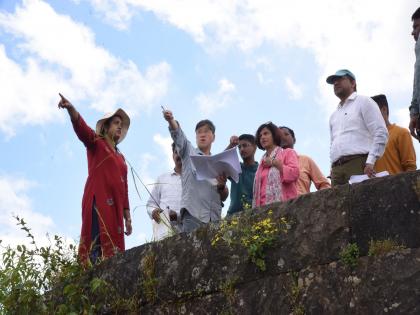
pixel 360 178
pixel 211 166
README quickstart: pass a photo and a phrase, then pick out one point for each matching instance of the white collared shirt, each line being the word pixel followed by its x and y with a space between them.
pixel 166 195
pixel 357 127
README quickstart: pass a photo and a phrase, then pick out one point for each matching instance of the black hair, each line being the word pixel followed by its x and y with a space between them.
pixel 292 133
pixel 205 122
pixel 247 137
pixel 274 132
pixel 416 15
pixel 381 100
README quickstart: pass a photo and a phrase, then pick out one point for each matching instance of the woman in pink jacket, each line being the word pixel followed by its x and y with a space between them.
pixel 278 171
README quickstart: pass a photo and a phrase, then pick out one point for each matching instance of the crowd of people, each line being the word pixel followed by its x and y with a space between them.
pixel 362 141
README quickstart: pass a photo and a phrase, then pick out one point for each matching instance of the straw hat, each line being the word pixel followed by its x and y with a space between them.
pixel 125 122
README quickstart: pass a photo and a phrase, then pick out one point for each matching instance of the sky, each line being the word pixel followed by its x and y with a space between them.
pixel 238 63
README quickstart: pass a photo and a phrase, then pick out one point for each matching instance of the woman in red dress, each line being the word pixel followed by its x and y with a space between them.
pixel 105 199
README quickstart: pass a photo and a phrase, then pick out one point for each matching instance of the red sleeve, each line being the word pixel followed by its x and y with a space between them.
pixel 84 132
pixel 290 166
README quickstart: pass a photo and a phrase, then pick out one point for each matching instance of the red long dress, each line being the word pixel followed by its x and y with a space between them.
pixel 107 183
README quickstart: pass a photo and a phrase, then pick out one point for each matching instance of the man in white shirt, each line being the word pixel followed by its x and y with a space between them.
pixel 164 203
pixel 357 131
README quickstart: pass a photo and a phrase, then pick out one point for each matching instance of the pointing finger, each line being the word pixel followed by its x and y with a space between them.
pixel 62 97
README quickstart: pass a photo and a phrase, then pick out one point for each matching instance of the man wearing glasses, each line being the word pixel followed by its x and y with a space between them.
pixel 241 192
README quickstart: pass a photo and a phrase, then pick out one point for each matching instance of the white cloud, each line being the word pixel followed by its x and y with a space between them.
pixel 295 91
pixel 210 102
pixel 402 119
pixel 354 34
pixel 14 201
pixel 165 144
pixel 59 54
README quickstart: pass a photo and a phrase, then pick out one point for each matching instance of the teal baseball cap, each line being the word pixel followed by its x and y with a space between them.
pixel 340 73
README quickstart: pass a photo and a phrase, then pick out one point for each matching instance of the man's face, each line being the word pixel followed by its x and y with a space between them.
pixel 287 140
pixel 177 159
pixel 204 137
pixel 246 149
pixel 343 87
pixel 416 29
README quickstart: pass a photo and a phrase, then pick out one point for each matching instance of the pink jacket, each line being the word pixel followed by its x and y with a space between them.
pixel 289 177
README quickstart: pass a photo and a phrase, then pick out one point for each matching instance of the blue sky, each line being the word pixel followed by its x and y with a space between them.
pixel 238 63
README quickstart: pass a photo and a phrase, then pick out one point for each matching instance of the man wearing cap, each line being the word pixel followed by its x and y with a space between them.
pixel 415 102
pixel 105 202
pixel 201 200
pixel 357 131
pixel 399 155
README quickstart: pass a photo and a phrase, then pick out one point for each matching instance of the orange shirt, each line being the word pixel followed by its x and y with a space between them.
pixel 399 155
pixel 310 172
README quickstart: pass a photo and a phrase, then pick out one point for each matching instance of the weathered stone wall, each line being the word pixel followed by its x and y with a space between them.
pixel 185 274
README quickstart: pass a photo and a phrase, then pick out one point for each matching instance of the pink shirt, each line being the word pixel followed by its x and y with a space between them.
pixel 289 160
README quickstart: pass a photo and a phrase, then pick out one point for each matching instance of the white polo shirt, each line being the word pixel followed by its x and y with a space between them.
pixel 357 127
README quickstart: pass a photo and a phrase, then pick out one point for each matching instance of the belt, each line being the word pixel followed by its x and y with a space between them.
pixel 344 159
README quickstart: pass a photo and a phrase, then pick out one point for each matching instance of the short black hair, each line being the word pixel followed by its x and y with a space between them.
pixel 381 100
pixel 247 137
pixel 416 15
pixel 292 133
pixel 274 132
pixel 205 122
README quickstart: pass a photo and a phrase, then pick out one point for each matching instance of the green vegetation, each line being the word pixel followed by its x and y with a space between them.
pixel 50 280
pixel 150 282
pixel 350 255
pixel 380 248
pixel 254 235
pixel 295 296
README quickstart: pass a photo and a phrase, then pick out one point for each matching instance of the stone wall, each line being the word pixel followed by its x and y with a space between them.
pixel 185 274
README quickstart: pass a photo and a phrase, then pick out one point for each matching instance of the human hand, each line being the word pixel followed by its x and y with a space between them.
pixel 369 171
pixel 128 227
pixel 413 126
pixel 221 181
pixel 64 103
pixel 167 114
pixel 234 141
pixel 172 215
pixel 156 215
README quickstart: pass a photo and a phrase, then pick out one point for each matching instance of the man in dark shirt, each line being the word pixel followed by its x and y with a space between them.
pixel 241 192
